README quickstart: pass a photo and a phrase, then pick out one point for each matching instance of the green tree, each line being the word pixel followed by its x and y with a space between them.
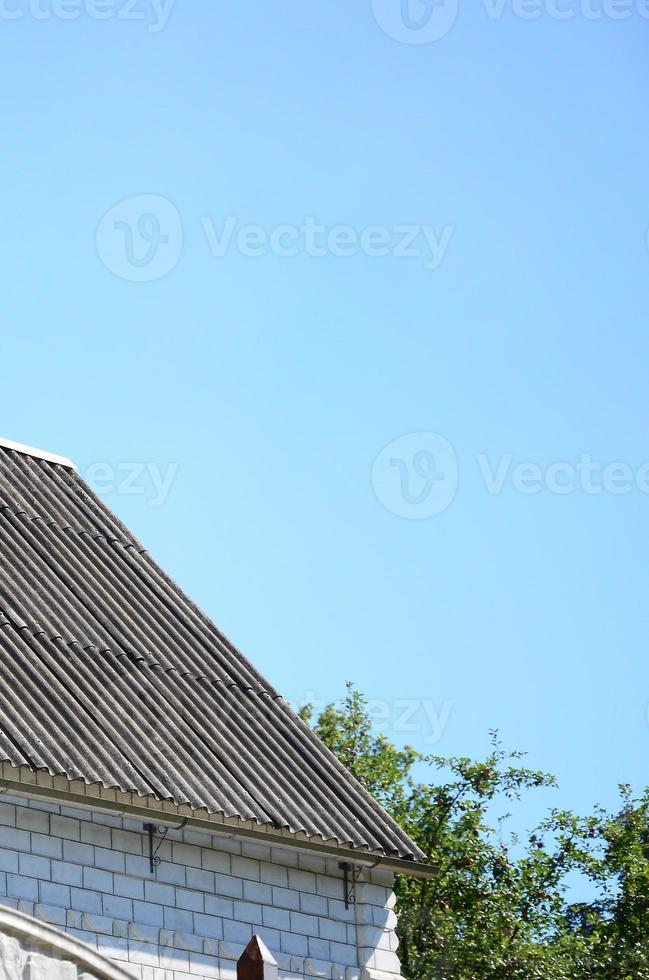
pixel 609 936
pixel 499 906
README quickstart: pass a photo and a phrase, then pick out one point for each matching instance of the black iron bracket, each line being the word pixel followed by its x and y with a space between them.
pixel 351 874
pixel 151 829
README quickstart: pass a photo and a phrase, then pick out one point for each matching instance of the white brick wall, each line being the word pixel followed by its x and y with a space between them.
pixel 88 874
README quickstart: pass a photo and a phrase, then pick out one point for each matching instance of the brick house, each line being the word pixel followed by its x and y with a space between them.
pixel 159 801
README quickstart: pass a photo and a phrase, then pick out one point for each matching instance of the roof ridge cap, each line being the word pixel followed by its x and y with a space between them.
pixel 18 447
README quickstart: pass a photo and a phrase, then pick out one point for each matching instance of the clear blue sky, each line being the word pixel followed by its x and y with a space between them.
pixel 273 383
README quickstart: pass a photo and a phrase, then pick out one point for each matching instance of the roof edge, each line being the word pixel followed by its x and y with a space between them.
pixel 175 820
pixel 18 447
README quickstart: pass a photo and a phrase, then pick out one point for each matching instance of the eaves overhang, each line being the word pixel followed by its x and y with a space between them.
pixel 181 817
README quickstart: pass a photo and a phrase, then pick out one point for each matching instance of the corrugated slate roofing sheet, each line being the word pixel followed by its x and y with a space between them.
pixel 110 674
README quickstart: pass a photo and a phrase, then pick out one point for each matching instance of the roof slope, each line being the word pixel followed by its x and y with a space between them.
pixel 110 674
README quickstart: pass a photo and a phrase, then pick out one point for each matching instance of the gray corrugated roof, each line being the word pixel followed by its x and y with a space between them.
pixel 110 674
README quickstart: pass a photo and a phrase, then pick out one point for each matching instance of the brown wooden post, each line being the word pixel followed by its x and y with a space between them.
pixel 257 962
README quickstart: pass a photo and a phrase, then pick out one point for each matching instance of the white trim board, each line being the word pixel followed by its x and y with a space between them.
pixel 18 447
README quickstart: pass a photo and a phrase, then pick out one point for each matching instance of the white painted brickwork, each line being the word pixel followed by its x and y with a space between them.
pixel 87 873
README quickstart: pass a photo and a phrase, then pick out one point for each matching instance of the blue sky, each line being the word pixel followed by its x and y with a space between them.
pixel 361 445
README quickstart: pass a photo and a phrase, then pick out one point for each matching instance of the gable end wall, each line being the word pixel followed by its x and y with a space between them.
pixel 87 873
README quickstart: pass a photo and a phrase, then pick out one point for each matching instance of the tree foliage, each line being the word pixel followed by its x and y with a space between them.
pixel 500 906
